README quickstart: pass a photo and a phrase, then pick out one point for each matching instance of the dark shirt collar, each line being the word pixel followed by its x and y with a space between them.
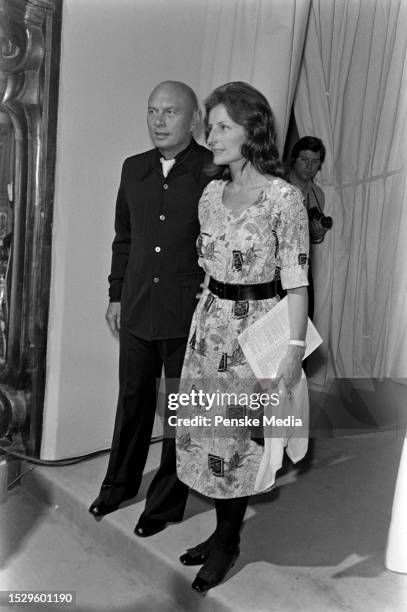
pixel 188 157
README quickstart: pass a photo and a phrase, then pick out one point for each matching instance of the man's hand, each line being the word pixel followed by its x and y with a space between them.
pixel 112 317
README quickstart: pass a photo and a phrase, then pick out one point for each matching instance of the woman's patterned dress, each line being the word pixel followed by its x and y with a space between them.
pixel 265 241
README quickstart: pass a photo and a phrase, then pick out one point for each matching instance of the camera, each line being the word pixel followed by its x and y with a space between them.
pixel 325 221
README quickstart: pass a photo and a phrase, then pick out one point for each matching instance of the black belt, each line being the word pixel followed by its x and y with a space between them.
pixel 237 293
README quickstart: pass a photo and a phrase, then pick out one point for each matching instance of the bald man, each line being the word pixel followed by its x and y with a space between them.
pixel 154 280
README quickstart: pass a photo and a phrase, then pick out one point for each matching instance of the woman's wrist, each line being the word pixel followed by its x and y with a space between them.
pixel 294 349
pixel 301 343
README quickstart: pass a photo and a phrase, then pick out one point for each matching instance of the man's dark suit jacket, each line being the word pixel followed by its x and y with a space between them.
pixel 154 273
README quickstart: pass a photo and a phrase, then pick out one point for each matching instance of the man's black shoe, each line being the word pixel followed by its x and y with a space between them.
pixel 99 508
pixel 146 527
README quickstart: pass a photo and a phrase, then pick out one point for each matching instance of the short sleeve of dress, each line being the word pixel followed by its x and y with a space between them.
pixel 293 238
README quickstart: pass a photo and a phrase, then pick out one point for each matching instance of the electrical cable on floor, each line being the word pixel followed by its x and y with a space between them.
pixel 10 485
pixel 62 462
pixel 49 462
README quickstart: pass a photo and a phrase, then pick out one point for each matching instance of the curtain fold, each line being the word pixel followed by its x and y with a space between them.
pixel 351 93
pixel 259 41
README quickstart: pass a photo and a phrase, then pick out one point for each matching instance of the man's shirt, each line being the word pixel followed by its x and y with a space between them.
pixel 313 197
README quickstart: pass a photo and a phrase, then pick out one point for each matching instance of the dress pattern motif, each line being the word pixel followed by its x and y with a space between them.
pixel 266 241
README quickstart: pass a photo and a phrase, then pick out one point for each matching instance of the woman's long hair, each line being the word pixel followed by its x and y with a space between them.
pixel 248 107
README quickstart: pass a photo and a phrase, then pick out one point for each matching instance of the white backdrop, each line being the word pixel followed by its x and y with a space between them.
pixel 113 53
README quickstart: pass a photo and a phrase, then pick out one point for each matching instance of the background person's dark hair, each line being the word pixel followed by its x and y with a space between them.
pixel 308 143
pixel 248 107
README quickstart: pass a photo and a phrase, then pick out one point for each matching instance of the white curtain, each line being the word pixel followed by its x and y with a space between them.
pixel 351 93
pixel 258 41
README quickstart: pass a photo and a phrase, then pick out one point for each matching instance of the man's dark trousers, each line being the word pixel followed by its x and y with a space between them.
pixel 140 368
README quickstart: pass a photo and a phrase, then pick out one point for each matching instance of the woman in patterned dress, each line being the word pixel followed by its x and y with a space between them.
pixel 254 232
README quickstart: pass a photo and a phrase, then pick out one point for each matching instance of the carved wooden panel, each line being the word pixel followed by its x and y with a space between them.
pixel 29 59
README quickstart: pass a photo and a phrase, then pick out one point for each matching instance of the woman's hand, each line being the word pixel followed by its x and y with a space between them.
pixel 290 367
pixel 203 285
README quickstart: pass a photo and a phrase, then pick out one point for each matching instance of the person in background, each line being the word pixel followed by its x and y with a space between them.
pixel 307 157
pixel 254 232
pixel 154 280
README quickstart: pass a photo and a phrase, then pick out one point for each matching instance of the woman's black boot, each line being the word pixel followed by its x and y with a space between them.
pixel 199 553
pixel 217 565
